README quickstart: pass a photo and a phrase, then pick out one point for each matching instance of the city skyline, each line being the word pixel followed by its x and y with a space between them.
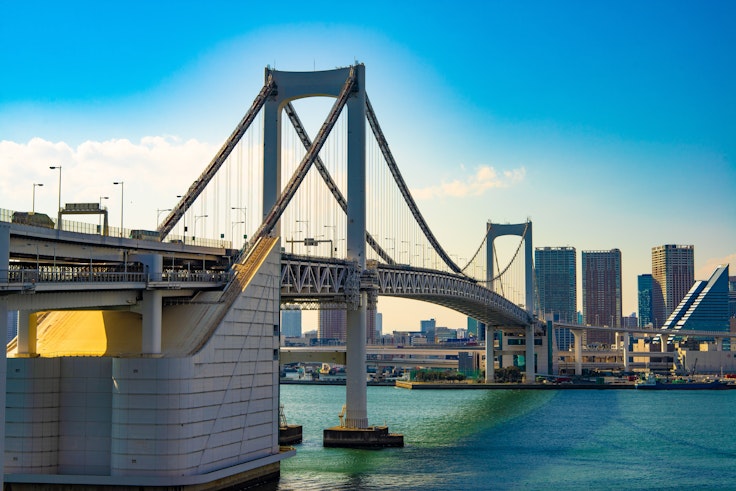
pixel 621 141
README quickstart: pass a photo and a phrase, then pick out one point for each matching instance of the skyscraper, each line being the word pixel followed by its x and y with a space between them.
pixel 556 276
pixel 291 323
pixel 673 273
pixel 333 324
pixel 602 292
pixel 646 299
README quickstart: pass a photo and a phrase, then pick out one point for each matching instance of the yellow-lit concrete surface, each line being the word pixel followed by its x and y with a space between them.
pixel 185 328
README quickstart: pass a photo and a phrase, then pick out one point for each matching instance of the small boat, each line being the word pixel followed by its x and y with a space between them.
pixel 653 383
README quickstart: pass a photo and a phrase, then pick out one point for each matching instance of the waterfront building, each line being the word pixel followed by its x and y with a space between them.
pixel 645 290
pixel 673 273
pixel 732 297
pixel 704 307
pixel 427 325
pixel 442 334
pixel 291 323
pixel 601 272
pixel 556 276
pixel 468 363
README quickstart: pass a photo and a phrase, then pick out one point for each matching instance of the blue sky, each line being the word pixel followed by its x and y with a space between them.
pixel 621 114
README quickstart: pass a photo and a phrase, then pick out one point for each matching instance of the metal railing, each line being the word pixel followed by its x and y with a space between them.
pixel 84 275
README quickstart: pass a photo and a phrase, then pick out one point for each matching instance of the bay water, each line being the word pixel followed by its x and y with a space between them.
pixel 519 439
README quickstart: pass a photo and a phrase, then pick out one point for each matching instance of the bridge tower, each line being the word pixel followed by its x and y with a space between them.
pixel 523 230
pixel 295 85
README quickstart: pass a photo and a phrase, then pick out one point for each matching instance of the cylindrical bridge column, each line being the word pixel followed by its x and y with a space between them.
pixel 626 351
pixel 356 403
pixel 577 336
pixel 530 361
pixel 27 335
pixel 151 335
pixel 490 356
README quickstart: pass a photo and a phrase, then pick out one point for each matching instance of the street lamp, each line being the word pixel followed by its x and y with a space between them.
pixel 306 227
pixel 122 203
pixel 333 249
pixel 232 230
pixel 194 235
pixel 393 247
pixel 54 167
pixel 33 203
pixel 408 260
pixel 243 209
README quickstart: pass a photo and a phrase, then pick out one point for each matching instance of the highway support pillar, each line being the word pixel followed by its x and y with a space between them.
pixel 27 335
pixel 626 342
pixel 578 340
pixel 490 355
pixel 151 310
pixel 530 359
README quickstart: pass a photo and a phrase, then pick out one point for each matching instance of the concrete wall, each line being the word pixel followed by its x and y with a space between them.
pixel 130 418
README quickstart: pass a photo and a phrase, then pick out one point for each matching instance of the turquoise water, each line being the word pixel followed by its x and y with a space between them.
pixel 509 439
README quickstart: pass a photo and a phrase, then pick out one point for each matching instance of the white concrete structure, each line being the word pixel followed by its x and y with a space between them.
pixel 202 410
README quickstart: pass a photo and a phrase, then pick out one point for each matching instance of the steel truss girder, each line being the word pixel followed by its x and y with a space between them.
pixel 311 280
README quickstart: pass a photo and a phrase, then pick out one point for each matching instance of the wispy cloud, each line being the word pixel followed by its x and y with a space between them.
pixel 485 178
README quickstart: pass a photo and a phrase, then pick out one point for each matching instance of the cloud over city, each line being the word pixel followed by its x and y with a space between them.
pixel 485 178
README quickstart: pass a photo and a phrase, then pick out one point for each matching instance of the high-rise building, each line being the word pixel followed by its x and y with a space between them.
pixel 673 273
pixel 333 324
pixel 732 296
pixel 556 276
pixel 427 325
pixel 601 271
pixel 291 323
pixel 379 325
pixel 645 291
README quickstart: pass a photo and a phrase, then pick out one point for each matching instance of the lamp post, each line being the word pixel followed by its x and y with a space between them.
pixel 232 230
pixel 408 259
pixel 393 247
pixel 58 211
pixel 194 235
pixel 33 203
pixel 244 210
pixel 306 227
pixel 333 249
pixel 122 203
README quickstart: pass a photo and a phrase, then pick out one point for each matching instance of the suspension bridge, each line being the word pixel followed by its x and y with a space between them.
pixel 327 222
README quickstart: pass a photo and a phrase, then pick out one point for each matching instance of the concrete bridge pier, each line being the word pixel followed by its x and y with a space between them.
pixel 27 333
pixel 626 351
pixel 152 305
pixel 490 365
pixel 530 359
pixel 577 335
pixel 356 404
pixel 151 325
